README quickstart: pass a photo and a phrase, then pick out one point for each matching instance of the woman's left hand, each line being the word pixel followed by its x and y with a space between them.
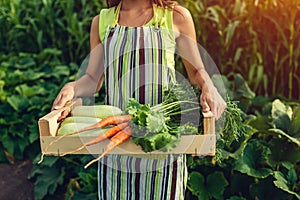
pixel 211 100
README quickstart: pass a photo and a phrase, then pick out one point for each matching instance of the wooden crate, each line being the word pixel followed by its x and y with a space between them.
pixel 189 144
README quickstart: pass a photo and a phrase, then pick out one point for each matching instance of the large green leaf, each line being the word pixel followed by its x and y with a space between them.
pixel 281 115
pixel 211 187
pixel 48 181
pixel 283 150
pixel 254 160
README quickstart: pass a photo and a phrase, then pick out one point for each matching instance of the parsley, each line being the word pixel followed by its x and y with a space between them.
pixel 160 127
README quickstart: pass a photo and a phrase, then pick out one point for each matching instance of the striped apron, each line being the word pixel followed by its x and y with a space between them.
pixel 139 63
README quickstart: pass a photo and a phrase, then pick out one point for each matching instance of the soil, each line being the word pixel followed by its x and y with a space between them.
pixel 14 183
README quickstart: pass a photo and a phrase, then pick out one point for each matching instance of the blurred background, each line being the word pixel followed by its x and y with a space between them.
pixel 254 43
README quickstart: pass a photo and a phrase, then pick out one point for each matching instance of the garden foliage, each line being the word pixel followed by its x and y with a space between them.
pixel 256 46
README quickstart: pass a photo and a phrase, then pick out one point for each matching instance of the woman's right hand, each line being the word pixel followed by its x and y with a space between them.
pixel 65 95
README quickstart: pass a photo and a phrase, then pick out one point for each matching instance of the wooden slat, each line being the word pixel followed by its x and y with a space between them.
pixel 208 123
pixel 189 144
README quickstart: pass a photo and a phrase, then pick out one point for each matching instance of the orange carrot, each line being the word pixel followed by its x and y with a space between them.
pixel 110 120
pixel 107 134
pixel 114 120
pixel 115 141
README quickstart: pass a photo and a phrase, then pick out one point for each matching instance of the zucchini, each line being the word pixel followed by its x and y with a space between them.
pixel 80 119
pixel 98 111
pixel 72 126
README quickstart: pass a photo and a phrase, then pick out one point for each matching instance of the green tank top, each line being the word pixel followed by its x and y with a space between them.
pixel 139 61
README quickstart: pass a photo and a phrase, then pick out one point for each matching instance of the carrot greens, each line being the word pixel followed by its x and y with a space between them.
pixel 160 127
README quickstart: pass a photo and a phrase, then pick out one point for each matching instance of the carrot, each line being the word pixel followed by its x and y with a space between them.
pixel 110 120
pixel 107 134
pixel 115 141
pixel 114 120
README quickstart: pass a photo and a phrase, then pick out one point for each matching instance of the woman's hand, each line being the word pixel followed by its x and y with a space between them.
pixel 65 95
pixel 211 100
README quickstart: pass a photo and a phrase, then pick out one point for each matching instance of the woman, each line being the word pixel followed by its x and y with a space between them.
pixel 133 45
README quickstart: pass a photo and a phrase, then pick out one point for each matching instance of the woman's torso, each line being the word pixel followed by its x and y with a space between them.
pixel 139 61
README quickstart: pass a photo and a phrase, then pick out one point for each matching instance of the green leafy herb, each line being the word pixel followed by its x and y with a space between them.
pixel 160 127
pixel 232 130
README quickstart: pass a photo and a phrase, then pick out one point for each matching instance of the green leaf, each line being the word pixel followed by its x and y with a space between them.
pixel 296 122
pixel 48 161
pixel 213 187
pixel 242 88
pixel 8 143
pixel 18 102
pixel 291 174
pixel 2 92
pixel 48 52
pixel 25 63
pixel 249 132
pixel 233 128
pixel 34 133
pixel 265 189
pixel 196 185
pixel 281 115
pixel 230 30
pixel 282 133
pixel 254 160
pixel 155 122
pixel 238 54
pixel 48 181
pixel 239 184
pixel 260 101
pixel 26 91
pixel 216 183
pixel 62 70
pixel 283 150
pixel 261 123
pixel 284 184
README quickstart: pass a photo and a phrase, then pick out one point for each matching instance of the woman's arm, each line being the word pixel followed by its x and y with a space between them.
pixel 91 81
pixel 188 50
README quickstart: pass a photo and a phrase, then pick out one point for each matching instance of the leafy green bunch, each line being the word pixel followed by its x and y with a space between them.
pixel 232 130
pixel 159 127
